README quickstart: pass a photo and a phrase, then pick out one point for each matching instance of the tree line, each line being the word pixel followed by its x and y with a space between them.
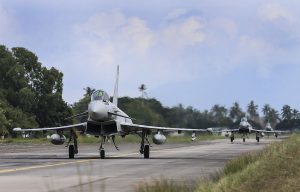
pixel 31 96
pixel 151 112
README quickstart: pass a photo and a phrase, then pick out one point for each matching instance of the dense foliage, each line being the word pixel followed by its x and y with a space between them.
pixel 31 96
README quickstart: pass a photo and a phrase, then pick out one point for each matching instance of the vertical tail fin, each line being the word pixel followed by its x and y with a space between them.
pixel 115 98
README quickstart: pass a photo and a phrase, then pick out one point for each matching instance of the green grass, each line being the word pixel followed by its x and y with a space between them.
pixel 276 168
pixel 24 140
pixel 165 185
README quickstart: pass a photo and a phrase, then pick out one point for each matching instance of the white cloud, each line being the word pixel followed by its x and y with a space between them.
pixel 113 32
pixel 276 13
pixel 175 50
pixel 150 54
pixel 177 13
pixel 257 53
pixel 102 25
pixel 226 25
pixel 254 46
pixel 187 32
pixel 137 34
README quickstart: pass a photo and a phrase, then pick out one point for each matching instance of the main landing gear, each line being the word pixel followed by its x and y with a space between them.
pixel 257 137
pixel 102 154
pixel 145 148
pixel 232 137
pixel 73 149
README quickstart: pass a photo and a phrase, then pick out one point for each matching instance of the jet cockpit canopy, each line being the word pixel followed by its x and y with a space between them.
pixel 244 119
pixel 99 95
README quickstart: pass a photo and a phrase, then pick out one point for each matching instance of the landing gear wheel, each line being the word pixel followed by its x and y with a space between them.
pixel 146 151
pixel 244 139
pixel 257 139
pixel 71 151
pixel 102 154
pixel 231 139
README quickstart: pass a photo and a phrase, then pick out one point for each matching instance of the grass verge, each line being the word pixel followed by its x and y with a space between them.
pixel 276 168
pixel 165 185
pixel 24 140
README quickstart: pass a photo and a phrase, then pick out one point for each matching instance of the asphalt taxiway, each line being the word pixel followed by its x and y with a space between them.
pixel 45 167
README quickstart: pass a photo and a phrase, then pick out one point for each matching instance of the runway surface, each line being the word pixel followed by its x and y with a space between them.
pixel 33 167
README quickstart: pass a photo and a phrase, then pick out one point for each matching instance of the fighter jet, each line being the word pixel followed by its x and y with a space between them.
pixel 269 130
pixel 245 128
pixel 106 120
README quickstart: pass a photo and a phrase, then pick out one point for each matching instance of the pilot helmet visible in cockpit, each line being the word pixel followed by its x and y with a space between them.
pixel 99 95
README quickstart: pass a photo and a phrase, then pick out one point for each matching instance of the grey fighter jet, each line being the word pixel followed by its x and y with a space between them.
pixel 106 120
pixel 269 129
pixel 246 128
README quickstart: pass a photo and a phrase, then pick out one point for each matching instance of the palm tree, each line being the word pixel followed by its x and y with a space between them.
pixel 296 114
pixel 236 112
pixel 266 111
pixel 286 112
pixel 142 89
pixel 88 91
pixel 252 110
pixel 273 117
pixel 219 112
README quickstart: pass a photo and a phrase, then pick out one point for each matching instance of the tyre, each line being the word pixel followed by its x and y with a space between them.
pixel 71 151
pixel 102 154
pixel 244 139
pixel 146 152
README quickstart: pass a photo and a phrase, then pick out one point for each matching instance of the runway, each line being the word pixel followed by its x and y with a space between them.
pixel 45 167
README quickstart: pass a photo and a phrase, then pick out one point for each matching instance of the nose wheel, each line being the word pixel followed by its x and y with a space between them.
pixel 102 151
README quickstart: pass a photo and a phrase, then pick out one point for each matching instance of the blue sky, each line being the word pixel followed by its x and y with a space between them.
pixel 198 53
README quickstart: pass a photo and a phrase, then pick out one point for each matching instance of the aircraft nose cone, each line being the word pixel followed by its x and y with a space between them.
pixel 243 124
pixel 98 111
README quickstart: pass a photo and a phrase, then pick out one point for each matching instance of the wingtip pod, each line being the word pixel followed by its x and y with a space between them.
pixel 17 129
